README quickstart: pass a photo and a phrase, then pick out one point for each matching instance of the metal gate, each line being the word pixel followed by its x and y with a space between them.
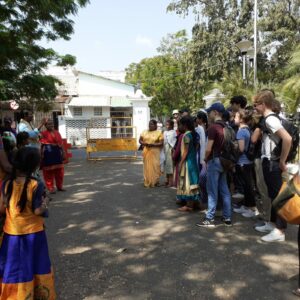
pixel 115 135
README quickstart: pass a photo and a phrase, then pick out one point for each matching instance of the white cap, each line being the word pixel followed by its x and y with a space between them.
pixel 175 111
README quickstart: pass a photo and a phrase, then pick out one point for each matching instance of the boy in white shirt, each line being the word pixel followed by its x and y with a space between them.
pixel 273 166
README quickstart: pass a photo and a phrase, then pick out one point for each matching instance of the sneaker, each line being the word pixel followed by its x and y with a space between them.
pixel 242 209
pixel 250 213
pixel 226 221
pixel 267 227
pixel 237 196
pixel 274 236
pixel 207 223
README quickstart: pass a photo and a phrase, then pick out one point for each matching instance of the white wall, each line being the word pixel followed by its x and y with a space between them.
pixel 87 112
pixel 93 85
pixel 141 116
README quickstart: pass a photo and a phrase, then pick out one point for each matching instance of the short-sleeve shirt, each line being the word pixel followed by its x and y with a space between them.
pixel 269 141
pixel 215 132
pixel 25 222
pixel 244 134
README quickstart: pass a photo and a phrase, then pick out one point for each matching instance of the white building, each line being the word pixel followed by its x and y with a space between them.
pixel 96 97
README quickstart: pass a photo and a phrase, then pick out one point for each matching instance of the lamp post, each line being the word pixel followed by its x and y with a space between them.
pixel 250 54
pixel 244 45
pixel 255 45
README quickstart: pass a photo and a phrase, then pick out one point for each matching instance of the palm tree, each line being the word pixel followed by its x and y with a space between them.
pixel 232 84
pixel 290 88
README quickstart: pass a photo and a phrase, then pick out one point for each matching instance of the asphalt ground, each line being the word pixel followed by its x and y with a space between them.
pixel 110 238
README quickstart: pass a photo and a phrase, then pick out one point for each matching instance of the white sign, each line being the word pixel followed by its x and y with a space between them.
pixel 14 105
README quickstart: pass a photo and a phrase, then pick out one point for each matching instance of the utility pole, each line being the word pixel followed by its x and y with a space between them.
pixel 255 45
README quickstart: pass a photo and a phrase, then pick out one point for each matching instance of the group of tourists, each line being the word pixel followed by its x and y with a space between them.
pixel 197 161
pixel 25 267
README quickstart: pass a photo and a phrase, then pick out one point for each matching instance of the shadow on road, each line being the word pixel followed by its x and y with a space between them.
pixel 110 238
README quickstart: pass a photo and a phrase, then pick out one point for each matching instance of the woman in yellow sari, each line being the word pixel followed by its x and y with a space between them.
pixel 152 141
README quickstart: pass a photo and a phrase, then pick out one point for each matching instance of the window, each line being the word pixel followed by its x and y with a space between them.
pixel 77 111
pixel 97 111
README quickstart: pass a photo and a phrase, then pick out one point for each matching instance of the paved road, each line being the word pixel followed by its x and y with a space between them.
pixel 110 238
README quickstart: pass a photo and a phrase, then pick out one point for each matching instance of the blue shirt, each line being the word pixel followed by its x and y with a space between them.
pixel 244 134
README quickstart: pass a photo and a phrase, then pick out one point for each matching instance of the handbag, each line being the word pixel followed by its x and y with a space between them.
pixel 287 203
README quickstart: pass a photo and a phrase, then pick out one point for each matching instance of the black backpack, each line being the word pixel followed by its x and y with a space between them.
pixel 253 149
pixel 230 149
pixel 293 131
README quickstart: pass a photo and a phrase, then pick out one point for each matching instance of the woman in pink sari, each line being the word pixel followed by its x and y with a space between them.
pixel 52 157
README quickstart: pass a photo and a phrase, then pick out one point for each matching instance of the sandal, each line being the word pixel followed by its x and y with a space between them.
pixel 180 202
pixel 296 292
pixel 185 209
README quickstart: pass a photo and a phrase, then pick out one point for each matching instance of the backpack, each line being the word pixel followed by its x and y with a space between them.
pixel 253 149
pixel 230 149
pixel 293 131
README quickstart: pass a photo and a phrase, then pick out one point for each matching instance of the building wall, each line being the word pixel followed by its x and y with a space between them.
pixel 93 85
pixel 141 116
pixel 87 112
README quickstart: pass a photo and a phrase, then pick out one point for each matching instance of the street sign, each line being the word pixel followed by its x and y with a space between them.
pixel 14 105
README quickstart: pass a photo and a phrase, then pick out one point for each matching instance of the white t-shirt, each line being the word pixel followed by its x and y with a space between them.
pixel 269 141
pixel 200 130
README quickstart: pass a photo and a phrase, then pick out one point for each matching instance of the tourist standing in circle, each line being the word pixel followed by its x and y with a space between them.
pixel 25 267
pixel 273 166
pixel 25 125
pixel 188 172
pixel 53 155
pixel 169 143
pixel 152 142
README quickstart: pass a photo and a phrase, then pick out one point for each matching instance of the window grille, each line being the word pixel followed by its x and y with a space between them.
pixel 97 111
pixel 77 111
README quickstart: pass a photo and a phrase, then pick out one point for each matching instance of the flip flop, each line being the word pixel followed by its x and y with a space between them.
pixel 185 209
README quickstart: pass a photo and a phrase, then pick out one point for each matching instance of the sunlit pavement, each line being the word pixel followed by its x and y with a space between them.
pixel 110 238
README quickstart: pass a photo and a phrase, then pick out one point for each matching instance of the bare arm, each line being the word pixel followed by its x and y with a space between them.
pixel 4 163
pixel 209 147
pixel 184 155
pixel 286 146
pixel 2 206
pixel 241 144
pixel 39 211
pixel 256 135
pixel 141 141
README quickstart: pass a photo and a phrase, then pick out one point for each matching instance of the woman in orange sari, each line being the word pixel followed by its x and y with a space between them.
pixel 52 158
pixel 152 141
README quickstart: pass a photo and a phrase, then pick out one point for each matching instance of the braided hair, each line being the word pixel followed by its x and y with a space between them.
pixel 26 161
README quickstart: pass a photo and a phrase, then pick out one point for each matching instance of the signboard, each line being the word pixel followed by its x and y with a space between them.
pixel 14 105
pixel 116 144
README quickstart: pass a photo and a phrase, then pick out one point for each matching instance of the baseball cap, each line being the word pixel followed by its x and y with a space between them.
pixel 175 111
pixel 219 107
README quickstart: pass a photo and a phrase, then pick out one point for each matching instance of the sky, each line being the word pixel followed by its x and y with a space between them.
pixel 111 34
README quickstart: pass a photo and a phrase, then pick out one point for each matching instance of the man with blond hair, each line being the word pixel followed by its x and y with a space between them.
pixel 273 134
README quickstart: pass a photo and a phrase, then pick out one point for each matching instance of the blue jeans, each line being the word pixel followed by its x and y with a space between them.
pixel 217 184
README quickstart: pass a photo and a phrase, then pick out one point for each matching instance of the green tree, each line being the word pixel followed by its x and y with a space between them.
pixel 222 23
pixel 166 77
pixel 22 60
pixel 290 87
pixel 232 84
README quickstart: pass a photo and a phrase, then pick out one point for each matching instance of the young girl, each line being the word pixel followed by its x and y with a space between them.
pixel 169 143
pixel 245 167
pixel 22 139
pixel 188 172
pixel 25 268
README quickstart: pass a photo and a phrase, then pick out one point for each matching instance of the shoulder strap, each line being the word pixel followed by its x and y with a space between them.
pixel 265 119
pixel 221 123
